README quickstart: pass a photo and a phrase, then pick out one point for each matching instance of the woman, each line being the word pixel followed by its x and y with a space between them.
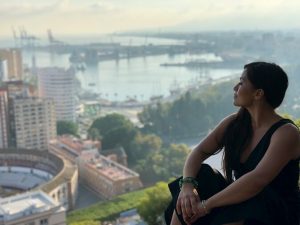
pixel 261 161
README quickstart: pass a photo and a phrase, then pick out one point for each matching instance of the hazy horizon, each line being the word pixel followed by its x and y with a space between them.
pixel 96 17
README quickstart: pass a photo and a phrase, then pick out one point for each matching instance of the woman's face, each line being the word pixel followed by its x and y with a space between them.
pixel 244 91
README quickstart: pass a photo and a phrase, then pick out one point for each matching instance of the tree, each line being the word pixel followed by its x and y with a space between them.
pixel 193 113
pixel 163 164
pixel 94 134
pixel 155 118
pixel 152 206
pixel 119 136
pixel 109 122
pixel 115 130
pixel 87 222
pixel 142 145
pixel 66 127
pixel 175 157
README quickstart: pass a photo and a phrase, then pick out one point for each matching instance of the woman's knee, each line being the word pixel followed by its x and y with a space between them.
pixel 175 220
pixel 210 181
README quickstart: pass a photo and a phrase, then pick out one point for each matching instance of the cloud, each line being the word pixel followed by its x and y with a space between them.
pixel 102 6
pixel 23 9
pixel 109 15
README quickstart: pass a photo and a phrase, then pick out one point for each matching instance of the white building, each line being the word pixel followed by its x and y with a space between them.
pixel 35 122
pixel 3 70
pixel 32 208
pixel 59 84
pixel 11 64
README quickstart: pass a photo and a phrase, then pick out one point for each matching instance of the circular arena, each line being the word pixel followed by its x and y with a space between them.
pixel 24 170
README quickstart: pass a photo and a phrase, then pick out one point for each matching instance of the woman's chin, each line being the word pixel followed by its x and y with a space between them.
pixel 235 103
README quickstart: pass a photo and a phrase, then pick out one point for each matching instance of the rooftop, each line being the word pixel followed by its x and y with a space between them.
pixel 26 204
pixel 107 167
pixel 77 145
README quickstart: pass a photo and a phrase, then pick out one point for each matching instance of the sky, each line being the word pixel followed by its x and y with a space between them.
pixel 81 17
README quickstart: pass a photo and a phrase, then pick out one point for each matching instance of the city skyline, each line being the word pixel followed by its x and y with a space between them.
pixel 66 17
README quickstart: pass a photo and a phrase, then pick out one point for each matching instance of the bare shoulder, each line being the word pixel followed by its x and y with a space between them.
pixel 223 124
pixel 220 129
pixel 226 121
pixel 287 131
pixel 288 135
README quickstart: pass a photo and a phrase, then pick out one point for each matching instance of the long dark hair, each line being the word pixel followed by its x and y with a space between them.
pixel 273 81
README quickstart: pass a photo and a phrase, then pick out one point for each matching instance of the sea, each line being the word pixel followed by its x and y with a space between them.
pixel 136 78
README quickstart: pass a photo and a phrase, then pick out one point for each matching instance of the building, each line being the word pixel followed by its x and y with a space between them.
pixel 16 89
pixel 32 208
pixel 35 122
pixel 117 154
pixel 106 177
pixel 24 170
pixel 102 174
pixel 3 70
pixel 59 84
pixel 4 126
pixel 11 64
pixel 130 217
pixel 70 147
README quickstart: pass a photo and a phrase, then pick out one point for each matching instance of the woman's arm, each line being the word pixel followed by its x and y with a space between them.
pixel 284 146
pixel 207 147
pixel 188 198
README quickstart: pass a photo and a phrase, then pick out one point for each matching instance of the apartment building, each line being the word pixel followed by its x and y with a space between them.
pixel 4 126
pixel 35 122
pixel 58 84
pixel 11 64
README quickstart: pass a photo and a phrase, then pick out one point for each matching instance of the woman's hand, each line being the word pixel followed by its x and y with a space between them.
pixel 187 203
pixel 190 205
pixel 202 210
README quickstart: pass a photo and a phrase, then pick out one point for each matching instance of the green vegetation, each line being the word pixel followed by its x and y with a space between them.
pixel 146 153
pixel 143 145
pixel 114 130
pixel 87 222
pixel 66 127
pixel 109 210
pixel 110 122
pixel 154 203
pixel 163 164
pixel 193 113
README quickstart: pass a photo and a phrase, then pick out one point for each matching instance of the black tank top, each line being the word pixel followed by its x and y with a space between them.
pixel 286 182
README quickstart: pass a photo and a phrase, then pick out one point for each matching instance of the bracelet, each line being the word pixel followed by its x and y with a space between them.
pixel 190 180
pixel 203 204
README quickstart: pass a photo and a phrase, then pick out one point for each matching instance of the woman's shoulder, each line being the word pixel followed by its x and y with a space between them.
pixel 228 119
pixel 288 128
pixel 223 124
pixel 289 135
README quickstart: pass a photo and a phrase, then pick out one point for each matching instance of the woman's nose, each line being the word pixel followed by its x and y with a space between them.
pixel 235 87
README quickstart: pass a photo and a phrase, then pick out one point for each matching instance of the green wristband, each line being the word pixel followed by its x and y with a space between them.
pixel 188 180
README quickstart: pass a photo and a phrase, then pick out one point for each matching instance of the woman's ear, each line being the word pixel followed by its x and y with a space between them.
pixel 259 93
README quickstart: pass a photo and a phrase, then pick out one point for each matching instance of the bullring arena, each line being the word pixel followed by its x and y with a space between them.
pixel 25 170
